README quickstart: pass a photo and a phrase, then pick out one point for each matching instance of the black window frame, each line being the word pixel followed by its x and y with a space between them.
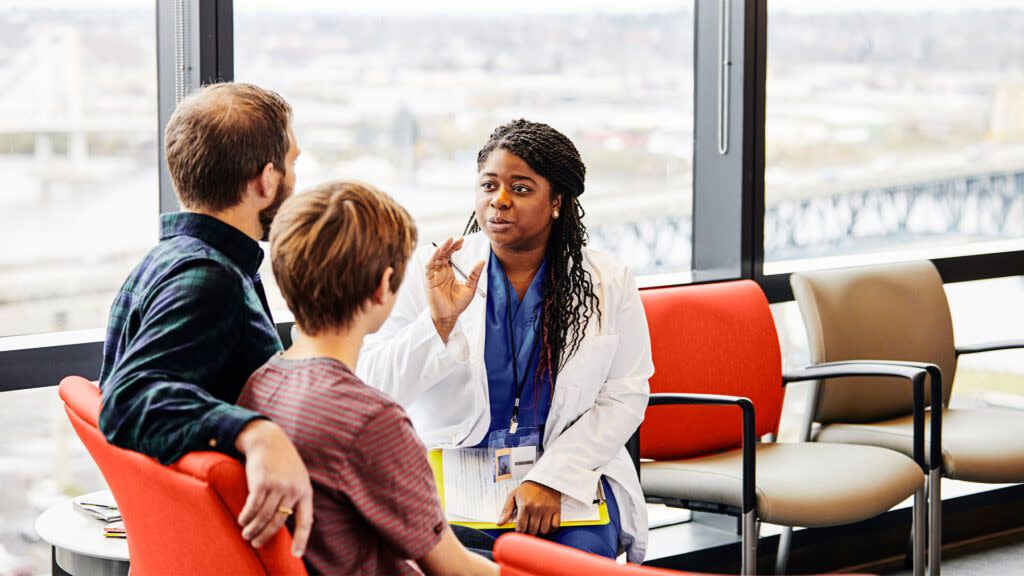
pixel 195 46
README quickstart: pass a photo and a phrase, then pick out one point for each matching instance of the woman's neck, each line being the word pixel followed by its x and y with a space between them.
pixel 520 265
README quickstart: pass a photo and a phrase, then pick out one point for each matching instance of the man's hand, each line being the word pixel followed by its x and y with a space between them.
pixel 536 508
pixel 446 296
pixel 278 483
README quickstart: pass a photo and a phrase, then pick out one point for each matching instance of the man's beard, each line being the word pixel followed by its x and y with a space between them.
pixel 268 213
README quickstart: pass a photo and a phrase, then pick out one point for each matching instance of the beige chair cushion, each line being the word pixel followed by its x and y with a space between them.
pixel 977 445
pixel 887 312
pixel 802 484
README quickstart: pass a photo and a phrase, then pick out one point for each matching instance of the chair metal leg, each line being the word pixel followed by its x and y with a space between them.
pixel 782 556
pixel 748 563
pixel 934 487
pixel 806 426
pixel 918 535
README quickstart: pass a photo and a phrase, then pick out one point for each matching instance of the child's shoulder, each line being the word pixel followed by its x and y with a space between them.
pixel 351 388
pixel 318 381
pixel 348 394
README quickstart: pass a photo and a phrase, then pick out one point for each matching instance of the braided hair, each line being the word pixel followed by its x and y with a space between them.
pixel 569 297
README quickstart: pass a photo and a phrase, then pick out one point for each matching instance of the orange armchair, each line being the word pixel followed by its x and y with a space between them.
pixel 522 555
pixel 718 387
pixel 180 519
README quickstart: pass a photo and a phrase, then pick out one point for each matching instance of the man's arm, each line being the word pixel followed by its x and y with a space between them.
pixel 277 479
pixel 154 401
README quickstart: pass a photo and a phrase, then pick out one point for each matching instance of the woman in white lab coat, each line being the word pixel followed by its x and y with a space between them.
pixel 542 334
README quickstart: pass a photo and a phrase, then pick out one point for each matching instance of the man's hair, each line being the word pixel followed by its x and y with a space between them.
pixel 329 247
pixel 220 137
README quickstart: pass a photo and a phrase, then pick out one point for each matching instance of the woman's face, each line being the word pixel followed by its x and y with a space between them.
pixel 514 204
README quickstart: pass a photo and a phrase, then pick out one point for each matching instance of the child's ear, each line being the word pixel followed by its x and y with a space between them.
pixel 384 286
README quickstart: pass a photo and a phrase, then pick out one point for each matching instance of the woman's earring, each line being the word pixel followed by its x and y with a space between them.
pixel 555 214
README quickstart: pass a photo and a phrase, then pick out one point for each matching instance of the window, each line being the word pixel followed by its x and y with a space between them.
pixel 78 209
pixel 894 131
pixel 403 94
pixel 78 150
pixel 42 462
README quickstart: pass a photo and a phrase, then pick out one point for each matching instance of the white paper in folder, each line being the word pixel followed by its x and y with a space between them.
pixel 473 492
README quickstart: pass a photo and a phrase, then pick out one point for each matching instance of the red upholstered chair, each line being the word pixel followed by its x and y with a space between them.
pixel 718 388
pixel 522 555
pixel 180 519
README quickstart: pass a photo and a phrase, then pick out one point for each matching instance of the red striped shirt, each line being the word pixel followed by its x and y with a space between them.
pixel 376 505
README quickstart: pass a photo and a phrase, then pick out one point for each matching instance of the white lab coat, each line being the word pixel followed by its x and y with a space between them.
pixel 599 399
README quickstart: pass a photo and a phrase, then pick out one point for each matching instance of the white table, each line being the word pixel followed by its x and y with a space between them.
pixel 79 546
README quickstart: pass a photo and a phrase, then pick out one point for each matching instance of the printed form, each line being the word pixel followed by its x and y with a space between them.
pixel 473 491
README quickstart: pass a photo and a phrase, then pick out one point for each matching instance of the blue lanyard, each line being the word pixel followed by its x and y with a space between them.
pixel 519 385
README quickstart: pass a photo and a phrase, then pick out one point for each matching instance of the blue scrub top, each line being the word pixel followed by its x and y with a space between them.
pixel 536 400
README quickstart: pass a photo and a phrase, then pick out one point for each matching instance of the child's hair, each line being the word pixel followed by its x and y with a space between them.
pixel 329 247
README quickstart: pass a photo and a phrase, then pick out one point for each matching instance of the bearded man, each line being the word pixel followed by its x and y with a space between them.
pixel 191 322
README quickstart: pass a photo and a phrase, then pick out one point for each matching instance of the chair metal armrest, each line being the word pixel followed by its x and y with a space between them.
pixel 914 372
pixel 853 368
pixel 749 431
pixel 989 346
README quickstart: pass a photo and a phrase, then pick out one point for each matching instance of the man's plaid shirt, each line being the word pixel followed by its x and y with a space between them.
pixel 188 327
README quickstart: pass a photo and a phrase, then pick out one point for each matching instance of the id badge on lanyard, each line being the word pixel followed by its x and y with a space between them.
pixel 515 450
pixel 518 385
pixel 514 453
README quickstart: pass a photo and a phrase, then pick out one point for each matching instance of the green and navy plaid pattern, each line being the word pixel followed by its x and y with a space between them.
pixel 188 327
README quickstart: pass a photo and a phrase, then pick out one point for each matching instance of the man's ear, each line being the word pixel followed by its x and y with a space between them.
pixel 384 286
pixel 267 183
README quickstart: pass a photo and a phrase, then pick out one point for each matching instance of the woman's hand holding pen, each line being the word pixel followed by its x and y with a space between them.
pixel 447 297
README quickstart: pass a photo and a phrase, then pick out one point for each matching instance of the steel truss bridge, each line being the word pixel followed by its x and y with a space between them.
pixel 987 206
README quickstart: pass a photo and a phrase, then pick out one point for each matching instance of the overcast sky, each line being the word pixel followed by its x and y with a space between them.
pixel 534 6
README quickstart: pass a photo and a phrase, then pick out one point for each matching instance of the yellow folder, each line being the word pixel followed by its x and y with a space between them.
pixel 435 465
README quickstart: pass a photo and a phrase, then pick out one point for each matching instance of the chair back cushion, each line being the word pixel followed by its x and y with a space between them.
pixel 522 555
pixel 885 312
pixel 711 339
pixel 180 519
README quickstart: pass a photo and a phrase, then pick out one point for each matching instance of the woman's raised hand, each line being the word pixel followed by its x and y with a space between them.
pixel 447 297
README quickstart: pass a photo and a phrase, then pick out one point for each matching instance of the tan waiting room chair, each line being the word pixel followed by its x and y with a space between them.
pixel 899 312
pixel 718 388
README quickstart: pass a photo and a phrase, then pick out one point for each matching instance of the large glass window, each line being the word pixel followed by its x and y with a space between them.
pixel 42 461
pixel 78 151
pixel 402 94
pixel 78 208
pixel 895 130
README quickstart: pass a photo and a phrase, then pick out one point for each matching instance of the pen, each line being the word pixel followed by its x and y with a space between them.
pixel 98 505
pixel 464 275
